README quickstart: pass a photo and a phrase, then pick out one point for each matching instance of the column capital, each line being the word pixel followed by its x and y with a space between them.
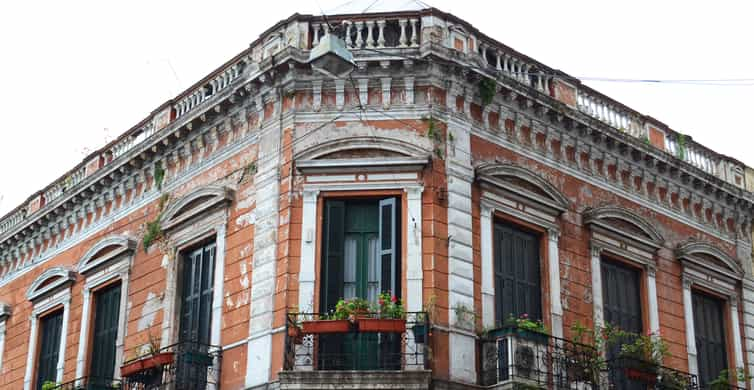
pixel 310 195
pixel 651 269
pixel 553 234
pixel 687 282
pixel 595 249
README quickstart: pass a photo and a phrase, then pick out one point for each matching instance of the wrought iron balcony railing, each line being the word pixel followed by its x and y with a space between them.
pixel 313 343
pixel 90 383
pixel 517 358
pixel 186 366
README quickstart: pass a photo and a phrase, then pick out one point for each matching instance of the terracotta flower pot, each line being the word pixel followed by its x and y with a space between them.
pixel 381 325
pixel 147 362
pixel 294 333
pixel 326 326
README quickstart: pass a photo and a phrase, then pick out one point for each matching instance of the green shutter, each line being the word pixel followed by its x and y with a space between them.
pixel 331 288
pixel 105 333
pixel 49 348
pixel 388 248
pixel 196 293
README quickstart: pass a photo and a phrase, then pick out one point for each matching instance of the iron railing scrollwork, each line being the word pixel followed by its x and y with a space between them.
pixel 528 359
pixel 355 350
pixel 185 365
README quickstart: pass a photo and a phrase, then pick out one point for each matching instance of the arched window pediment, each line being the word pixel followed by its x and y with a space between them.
pixel 195 203
pixel 49 281
pixel 623 222
pixel 104 251
pixel 523 183
pixel 710 257
pixel 360 153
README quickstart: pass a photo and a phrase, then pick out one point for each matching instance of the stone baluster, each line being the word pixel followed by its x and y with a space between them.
pixel 315 30
pixel 359 40
pixel 403 41
pixel 349 40
pixel 414 32
pixel 381 33
pixel 370 40
pixel 498 63
pixel 483 52
pixel 506 65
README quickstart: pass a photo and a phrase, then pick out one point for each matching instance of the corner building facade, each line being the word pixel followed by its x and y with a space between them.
pixel 466 178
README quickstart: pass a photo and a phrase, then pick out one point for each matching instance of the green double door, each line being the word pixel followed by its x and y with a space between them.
pixel 359 261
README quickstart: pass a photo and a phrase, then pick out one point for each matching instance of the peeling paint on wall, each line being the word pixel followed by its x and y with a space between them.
pixel 148 312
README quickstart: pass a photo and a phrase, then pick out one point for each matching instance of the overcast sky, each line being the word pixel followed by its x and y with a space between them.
pixel 75 74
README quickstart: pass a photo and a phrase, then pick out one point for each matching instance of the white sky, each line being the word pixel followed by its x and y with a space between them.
pixel 75 74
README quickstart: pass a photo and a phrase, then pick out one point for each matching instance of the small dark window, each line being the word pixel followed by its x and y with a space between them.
pixel 105 333
pixel 621 296
pixel 197 288
pixel 710 336
pixel 518 287
pixel 49 348
pixel 622 308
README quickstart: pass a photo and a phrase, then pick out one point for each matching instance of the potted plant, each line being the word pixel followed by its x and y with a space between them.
pixel 673 380
pixel 526 328
pixel 341 320
pixel 390 318
pixel 49 385
pixel 641 357
pixel 148 364
pixel 723 380
pixel 584 362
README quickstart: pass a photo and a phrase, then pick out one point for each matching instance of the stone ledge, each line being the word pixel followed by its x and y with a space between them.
pixel 314 380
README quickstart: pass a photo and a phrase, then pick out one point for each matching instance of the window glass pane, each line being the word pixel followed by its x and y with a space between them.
pixel 349 273
pixel 375 266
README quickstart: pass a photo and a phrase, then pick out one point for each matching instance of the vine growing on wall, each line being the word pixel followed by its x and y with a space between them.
pixel 487 90
pixel 152 229
pixel 681 151
pixel 159 175
pixel 436 136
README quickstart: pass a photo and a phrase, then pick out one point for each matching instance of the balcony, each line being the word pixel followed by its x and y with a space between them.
pixel 360 353
pixel 88 383
pixel 189 366
pixel 514 358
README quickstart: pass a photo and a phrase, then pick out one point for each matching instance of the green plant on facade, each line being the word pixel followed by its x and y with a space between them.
pixel 159 175
pixel 650 347
pixel 390 306
pixel 348 309
pixel 487 90
pixel 723 380
pixel 152 229
pixel 524 322
pixel 436 136
pixel 49 385
pixel 681 150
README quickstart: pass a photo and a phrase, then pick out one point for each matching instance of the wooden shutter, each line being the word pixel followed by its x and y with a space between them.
pixel 387 240
pixel 710 336
pixel 621 296
pixel 331 288
pixel 197 289
pixel 105 333
pixel 49 348
pixel 517 275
